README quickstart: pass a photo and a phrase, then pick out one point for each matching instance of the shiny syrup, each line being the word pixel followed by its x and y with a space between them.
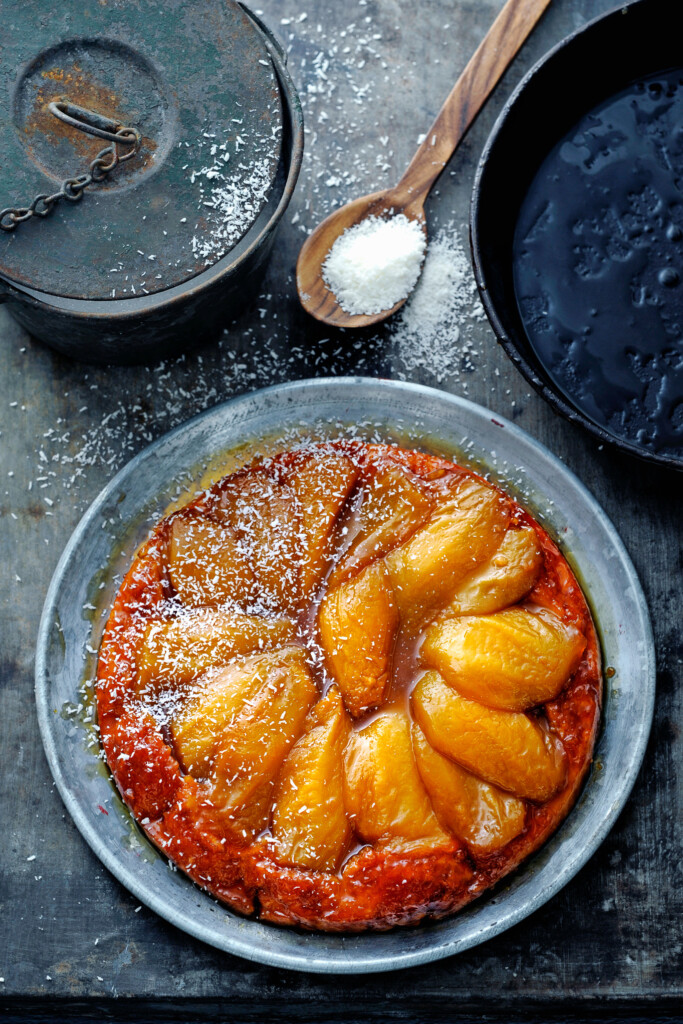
pixel 598 264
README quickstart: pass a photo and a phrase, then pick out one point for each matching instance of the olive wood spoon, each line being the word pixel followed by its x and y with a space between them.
pixel 470 92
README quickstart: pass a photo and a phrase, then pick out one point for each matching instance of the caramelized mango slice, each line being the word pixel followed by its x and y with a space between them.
pixel 255 742
pixel 243 720
pixel 207 564
pixel 392 507
pixel 178 650
pixel 462 532
pixel 217 699
pixel 266 517
pixel 309 819
pixel 513 659
pixel 383 791
pixel 358 625
pixel 504 748
pixel 503 580
pixel 483 816
pixel 321 483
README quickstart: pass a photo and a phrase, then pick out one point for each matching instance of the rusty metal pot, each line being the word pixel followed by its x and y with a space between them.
pixel 162 251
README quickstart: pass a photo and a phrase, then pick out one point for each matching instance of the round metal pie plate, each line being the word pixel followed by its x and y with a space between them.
pixel 103 545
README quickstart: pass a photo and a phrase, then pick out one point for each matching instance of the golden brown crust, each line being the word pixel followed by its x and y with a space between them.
pixel 393 881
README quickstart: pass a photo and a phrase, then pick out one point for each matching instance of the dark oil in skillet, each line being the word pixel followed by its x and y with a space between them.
pixel 598 264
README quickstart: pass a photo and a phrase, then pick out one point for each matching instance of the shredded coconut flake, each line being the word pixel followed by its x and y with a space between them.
pixel 375 264
pixel 231 205
pixel 433 329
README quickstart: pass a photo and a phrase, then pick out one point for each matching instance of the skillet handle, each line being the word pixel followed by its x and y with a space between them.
pixel 469 94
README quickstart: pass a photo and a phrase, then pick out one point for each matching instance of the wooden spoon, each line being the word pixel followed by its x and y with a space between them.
pixel 470 92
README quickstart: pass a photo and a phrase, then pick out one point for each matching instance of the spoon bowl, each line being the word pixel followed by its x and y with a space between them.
pixel 470 92
pixel 315 296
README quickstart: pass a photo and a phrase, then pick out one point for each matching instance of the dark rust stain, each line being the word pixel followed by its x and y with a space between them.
pixel 70 83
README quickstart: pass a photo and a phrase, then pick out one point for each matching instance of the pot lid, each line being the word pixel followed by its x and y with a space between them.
pixel 194 79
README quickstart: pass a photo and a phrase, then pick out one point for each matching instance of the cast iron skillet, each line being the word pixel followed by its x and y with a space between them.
pixel 586 68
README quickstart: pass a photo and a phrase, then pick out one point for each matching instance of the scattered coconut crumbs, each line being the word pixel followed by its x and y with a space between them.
pixel 433 331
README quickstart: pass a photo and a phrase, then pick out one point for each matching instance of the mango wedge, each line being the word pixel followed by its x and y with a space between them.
pixel 240 726
pixel 255 742
pixel 358 625
pixel 501 581
pixel 309 819
pixel 514 659
pixel 266 517
pixel 321 483
pixel 463 531
pixel 479 814
pixel 207 564
pixel 178 650
pixel 217 700
pixel 383 792
pixel 505 748
pixel 393 506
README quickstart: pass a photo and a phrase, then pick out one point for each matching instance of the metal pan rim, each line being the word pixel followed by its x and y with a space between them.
pixel 434 420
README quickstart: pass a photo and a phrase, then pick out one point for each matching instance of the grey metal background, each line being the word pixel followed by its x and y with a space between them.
pixel 611 941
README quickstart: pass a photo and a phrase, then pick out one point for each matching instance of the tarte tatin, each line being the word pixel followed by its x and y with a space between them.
pixel 350 686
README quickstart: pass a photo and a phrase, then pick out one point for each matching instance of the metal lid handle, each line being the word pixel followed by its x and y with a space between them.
pixel 92 123
pixel 86 120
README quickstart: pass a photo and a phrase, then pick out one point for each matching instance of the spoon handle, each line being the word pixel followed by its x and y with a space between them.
pixel 467 97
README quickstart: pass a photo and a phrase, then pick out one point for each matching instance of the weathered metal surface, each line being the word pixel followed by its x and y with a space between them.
pixel 196 80
pixel 610 942
pixel 125 143
pixel 147 327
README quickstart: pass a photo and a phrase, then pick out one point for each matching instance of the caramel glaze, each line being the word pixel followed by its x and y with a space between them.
pixel 377 887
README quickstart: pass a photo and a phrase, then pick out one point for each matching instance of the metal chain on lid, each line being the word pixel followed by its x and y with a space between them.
pixel 92 123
